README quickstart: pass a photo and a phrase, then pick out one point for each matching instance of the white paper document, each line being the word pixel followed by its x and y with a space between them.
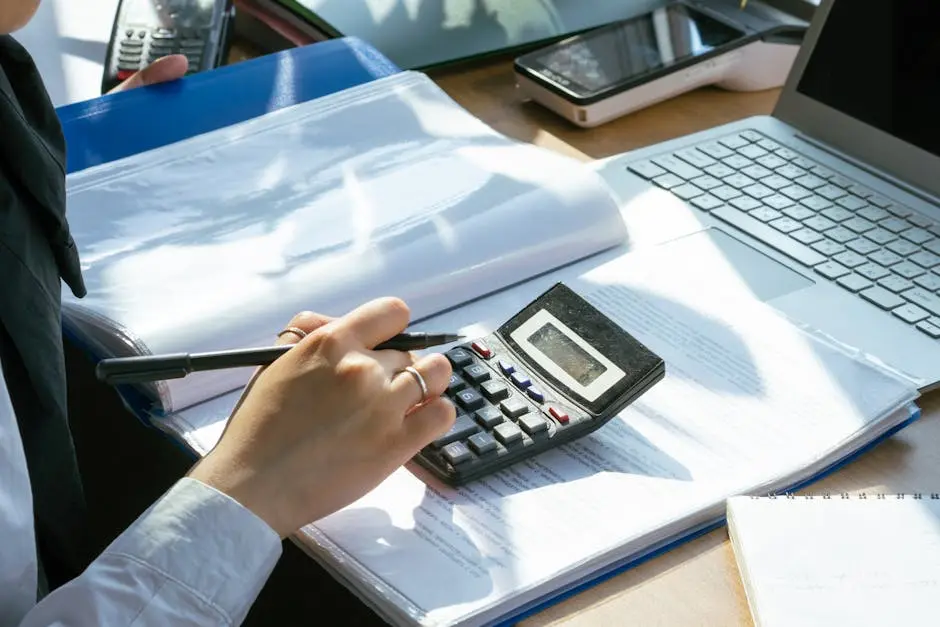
pixel 750 403
pixel 385 189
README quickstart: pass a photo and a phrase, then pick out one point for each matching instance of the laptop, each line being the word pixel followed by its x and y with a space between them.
pixel 828 209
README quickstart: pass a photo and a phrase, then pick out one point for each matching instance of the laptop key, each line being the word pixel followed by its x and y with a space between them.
pixel 930 329
pixel 895 283
pixel 646 169
pixel 733 141
pixel 862 246
pixel 772 162
pixel 830 192
pixel 680 168
pixel 919 220
pixel 817 203
pixel 925 259
pixel 752 136
pixel 719 170
pixel 899 210
pixel 707 182
pixel 765 214
pixel 852 203
pixel 726 192
pixel 907 270
pixel 752 151
pixel 810 181
pixel 769 236
pixel 777 201
pixel 881 236
pixel 737 162
pixel 841 181
pixel 872 213
pixel 786 225
pixel 819 223
pixel 850 259
pixel 895 225
pixel 902 247
pixel 716 150
pixel 775 181
pixel 806 236
pixel 756 171
pixel 758 191
pixel 879 201
pixel 803 162
pixel 927 300
pixel 790 171
pixel 686 191
pixel 831 270
pixel 799 213
pixel 882 297
pixel 857 224
pixel 933 246
pixel 821 172
pixel 795 192
pixel 828 247
pixel 836 214
pixel 785 153
pixel 840 234
pixel 738 181
pixel 695 158
pixel 668 181
pixel 929 281
pixel 854 282
pixel 767 144
pixel 746 203
pixel 861 192
pixel 918 236
pixel 872 271
pixel 910 313
pixel 706 202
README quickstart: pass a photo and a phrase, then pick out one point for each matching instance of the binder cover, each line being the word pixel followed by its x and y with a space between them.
pixel 122 124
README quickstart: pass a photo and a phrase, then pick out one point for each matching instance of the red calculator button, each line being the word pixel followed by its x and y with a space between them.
pixel 123 75
pixel 482 349
pixel 558 415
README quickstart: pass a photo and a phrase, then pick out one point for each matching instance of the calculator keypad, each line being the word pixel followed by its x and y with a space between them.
pixel 501 409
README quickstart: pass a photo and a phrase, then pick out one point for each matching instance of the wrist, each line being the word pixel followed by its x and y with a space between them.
pixel 245 487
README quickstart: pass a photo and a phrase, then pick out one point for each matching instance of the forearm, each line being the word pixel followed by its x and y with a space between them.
pixel 195 557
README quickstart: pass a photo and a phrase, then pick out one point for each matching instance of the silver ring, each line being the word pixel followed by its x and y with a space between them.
pixel 295 330
pixel 417 376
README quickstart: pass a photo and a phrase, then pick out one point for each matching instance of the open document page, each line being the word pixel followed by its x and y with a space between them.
pixel 750 403
pixel 388 188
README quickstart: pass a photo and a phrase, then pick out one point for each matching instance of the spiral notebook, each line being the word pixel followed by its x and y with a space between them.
pixel 863 560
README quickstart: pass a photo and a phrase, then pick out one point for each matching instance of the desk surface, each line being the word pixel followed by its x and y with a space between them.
pixel 696 583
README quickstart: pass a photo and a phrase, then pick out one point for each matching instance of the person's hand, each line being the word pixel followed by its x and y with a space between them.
pixel 329 420
pixel 162 70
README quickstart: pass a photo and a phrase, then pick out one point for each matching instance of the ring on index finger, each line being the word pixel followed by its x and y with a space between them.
pixel 419 379
pixel 300 333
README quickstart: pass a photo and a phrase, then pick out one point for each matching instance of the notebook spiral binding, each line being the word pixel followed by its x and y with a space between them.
pixel 874 496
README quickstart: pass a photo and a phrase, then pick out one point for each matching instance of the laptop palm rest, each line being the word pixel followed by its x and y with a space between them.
pixel 714 259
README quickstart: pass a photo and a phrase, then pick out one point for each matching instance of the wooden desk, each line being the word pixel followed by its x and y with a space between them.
pixel 696 583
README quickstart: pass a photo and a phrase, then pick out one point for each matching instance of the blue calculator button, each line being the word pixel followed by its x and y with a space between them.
pixel 506 367
pixel 521 380
pixel 535 394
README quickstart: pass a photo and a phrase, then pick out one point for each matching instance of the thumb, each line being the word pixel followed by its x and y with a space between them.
pixel 162 70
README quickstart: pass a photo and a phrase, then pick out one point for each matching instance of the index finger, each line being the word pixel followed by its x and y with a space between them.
pixel 374 322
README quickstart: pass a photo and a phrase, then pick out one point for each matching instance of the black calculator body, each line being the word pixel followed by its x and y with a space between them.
pixel 556 371
pixel 145 30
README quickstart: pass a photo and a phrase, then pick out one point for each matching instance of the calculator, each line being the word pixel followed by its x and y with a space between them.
pixel 556 371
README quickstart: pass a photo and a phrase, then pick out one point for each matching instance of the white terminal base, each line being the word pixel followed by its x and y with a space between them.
pixel 754 67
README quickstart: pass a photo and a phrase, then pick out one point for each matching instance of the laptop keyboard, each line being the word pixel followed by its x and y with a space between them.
pixel 869 245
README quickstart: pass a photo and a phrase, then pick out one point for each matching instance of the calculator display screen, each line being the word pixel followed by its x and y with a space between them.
pixel 570 357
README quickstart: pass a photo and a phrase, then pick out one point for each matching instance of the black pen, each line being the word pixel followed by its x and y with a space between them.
pixel 177 365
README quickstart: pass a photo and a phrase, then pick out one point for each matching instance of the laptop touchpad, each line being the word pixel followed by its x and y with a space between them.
pixel 714 258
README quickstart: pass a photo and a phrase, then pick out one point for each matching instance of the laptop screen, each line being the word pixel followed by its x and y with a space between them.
pixel 878 61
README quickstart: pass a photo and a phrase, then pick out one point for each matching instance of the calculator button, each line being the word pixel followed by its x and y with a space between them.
pixel 455 385
pixel 476 373
pixel 489 416
pixel 535 394
pixel 457 453
pixel 514 407
pixel 470 399
pixel 508 433
pixel 482 349
pixel 481 443
pixel 463 428
pixel 533 424
pixel 506 367
pixel 141 34
pixel 558 415
pixel 494 390
pixel 459 357
pixel 520 380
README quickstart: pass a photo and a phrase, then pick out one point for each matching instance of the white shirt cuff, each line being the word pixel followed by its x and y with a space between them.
pixel 207 542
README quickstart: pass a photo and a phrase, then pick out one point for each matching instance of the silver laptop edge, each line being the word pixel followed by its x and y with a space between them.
pixel 892 168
